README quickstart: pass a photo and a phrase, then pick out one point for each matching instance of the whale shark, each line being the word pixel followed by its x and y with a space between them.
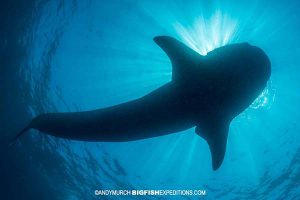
pixel 206 92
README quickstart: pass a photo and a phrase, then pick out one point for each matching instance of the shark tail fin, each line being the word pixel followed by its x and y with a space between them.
pixel 14 139
pixel 215 135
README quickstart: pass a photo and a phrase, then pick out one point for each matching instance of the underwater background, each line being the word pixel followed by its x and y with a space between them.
pixel 71 55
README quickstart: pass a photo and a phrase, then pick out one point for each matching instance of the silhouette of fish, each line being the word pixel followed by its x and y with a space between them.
pixel 206 92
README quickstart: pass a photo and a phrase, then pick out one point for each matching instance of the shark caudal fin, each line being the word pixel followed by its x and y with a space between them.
pixel 13 140
pixel 215 135
pixel 184 60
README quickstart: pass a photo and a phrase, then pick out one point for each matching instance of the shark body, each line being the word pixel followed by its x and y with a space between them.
pixel 206 92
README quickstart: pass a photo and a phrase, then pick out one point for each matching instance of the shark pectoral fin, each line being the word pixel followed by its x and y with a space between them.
pixel 183 58
pixel 216 136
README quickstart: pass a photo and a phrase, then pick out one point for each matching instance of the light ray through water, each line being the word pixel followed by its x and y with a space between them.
pixel 208 34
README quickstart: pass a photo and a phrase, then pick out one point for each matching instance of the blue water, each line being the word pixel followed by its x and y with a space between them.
pixel 83 55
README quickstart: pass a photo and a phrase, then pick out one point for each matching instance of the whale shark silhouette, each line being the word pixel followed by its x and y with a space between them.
pixel 206 92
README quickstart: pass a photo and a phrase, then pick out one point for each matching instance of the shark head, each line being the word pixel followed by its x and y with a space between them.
pixel 243 71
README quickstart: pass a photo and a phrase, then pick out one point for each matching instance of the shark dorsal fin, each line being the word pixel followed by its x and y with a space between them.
pixel 184 60
pixel 215 134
